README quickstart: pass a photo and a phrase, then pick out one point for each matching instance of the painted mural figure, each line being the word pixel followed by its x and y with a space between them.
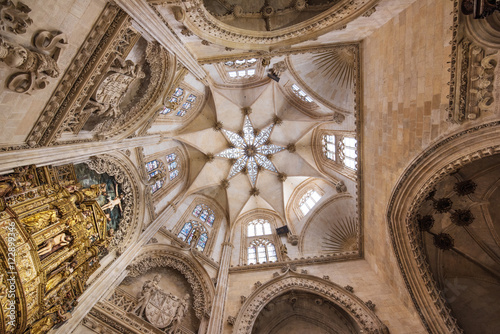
pixel 55 243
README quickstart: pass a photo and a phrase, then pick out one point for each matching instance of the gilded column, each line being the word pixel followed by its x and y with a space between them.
pixel 216 316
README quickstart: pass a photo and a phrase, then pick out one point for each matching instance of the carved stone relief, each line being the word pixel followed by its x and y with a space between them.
pixel 14 18
pixel 35 66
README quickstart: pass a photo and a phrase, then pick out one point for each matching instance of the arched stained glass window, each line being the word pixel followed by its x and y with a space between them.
pixel 186 230
pixel 261 251
pixel 178 92
pixel 172 166
pixel 158 184
pixel 258 227
pixel 202 242
pixel 308 201
pixel 204 213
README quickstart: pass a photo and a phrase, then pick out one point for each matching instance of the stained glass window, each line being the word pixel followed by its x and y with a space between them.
pixel 174 174
pixel 158 184
pixel 187 234
pixel 191 98
pixel 202 242
pixel 173 99
pixel 186 229
pixel 186 105
pixel 164 110
pixel 261 251
pixel 151 165
pixel 178 92
pixel 181 113
pixel 308 201
pixel 172 166
pixel 205 214
pixel 197 210
pixel 171 157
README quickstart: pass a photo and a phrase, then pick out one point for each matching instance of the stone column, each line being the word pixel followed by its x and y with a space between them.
pixel 71 153
pixel 216 316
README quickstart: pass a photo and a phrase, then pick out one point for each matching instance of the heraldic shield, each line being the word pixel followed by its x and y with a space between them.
pixel 162 308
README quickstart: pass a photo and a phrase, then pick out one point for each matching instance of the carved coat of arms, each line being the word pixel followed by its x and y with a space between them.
pixel 162 308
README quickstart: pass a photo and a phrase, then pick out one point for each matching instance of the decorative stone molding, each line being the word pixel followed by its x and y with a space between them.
pixel 203 24
pixel 14 18
pixel 36 65
pixel 164 258
pixel 231 320
pixel 292 281
pixel 413 187
pixel 130 206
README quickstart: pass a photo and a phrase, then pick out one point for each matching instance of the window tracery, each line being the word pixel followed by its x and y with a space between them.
pixel 258 227
pixel 193 231
pixel 301 94
pixel 204 213
pixel 308 201
pixel 261 251
pixel 341 149
pixel 180 102
pixel 156 170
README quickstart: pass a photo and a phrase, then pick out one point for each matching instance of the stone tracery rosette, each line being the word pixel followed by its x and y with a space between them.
pixel 164 258
pixel 355 307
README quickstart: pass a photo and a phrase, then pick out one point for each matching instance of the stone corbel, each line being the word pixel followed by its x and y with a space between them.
pixel 36 66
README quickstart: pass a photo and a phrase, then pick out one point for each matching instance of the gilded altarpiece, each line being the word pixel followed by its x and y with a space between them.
pixel 52 235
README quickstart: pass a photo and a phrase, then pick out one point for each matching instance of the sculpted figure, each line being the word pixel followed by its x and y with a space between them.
pixel 147 290
pixel 180 313
pixel 40 220
pixel 114 202
pixel 60 240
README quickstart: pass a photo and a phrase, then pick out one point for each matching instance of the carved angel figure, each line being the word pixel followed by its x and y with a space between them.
pixel 180 313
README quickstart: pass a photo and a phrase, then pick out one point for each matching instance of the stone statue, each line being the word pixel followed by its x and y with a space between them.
pixel 195 238
pixel 147 290
pixel 58 241
pixel 180 313
pixel 284 252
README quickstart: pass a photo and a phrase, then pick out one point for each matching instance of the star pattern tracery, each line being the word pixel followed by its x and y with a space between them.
pixel 250 151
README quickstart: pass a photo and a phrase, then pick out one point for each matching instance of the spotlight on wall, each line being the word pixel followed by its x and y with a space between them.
pixel 273 76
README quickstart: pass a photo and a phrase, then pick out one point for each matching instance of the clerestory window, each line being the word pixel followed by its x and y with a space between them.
pixel 308 201
pixel 261 251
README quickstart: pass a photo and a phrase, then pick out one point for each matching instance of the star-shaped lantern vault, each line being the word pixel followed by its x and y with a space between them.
pixel 251 151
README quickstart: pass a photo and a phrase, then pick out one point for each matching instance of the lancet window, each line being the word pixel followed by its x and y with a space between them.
pixel 179 103
pixel 301 94
pixel 194 232
pixel 156 170
pixel 172 165
pixel 341 149
pixel 308 201
pixel 261 251
pixel 258 227
pixel 204 213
